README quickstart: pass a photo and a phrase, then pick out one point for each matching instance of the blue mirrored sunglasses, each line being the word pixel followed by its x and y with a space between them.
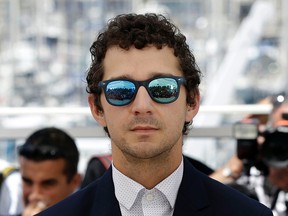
pixel 120 92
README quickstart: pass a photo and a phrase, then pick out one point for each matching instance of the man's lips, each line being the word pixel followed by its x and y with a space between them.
pixel 143 128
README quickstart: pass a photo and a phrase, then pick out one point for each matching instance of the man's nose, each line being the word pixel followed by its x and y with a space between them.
pixel 142 103
pixel 36 194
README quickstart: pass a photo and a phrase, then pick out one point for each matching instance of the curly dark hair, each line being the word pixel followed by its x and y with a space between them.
pixel 142 30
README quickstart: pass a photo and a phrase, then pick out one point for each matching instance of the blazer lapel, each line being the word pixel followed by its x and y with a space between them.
pixel 192 198
pixel 105 203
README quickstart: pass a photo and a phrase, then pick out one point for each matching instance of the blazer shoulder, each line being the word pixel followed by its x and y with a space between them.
pixel 226 197
pixel 98 198
pixel 200 193
pixel 79 203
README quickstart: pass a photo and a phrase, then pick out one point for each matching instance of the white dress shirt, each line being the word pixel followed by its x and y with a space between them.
pixel 134 199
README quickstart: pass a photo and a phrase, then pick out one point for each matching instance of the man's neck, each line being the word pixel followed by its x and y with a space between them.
pixel 148 172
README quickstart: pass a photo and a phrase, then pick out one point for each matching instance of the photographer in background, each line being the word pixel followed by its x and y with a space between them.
pixel 276 156
pixel 265 156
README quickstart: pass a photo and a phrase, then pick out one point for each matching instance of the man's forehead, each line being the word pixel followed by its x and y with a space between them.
pixel 51 167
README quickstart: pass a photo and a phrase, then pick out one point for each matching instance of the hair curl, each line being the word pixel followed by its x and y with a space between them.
pixel 142 30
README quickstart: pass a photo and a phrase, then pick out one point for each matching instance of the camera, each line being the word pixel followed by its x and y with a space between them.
pixel 262 149
pixel 275 147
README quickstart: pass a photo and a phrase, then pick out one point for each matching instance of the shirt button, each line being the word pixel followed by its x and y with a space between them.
pixel 149 197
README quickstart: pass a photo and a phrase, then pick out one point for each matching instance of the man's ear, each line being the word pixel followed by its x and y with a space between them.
pixel 192 109
pixel 76 181
pixel 96 113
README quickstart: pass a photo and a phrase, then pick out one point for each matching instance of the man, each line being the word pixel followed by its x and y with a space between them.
pixel 48 165
pixel 275 156
pixel 268 166
pixel 143 89
pixel 278 172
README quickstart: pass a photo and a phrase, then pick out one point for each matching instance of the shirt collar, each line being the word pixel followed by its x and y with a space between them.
pixel 126 189
pixel 169 186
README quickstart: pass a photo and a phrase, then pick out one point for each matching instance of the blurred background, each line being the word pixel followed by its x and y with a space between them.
pixel 241 46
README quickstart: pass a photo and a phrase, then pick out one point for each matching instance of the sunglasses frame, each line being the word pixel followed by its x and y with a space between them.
pixel 179 80
pixel 42 152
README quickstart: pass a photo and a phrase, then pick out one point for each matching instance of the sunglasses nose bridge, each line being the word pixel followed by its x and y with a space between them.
pixel 138 91
pixel 139 84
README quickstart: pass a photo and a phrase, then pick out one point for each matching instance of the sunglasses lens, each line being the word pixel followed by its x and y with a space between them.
pixel 120 92
pixel 164 90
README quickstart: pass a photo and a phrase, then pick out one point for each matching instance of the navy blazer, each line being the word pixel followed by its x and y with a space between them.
pixel 198 195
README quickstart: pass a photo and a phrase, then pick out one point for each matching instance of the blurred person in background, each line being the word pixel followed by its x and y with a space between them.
pixel 48 165
pixel 265 156
pixel 96 167
pixel 10 189
pixel 276 157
